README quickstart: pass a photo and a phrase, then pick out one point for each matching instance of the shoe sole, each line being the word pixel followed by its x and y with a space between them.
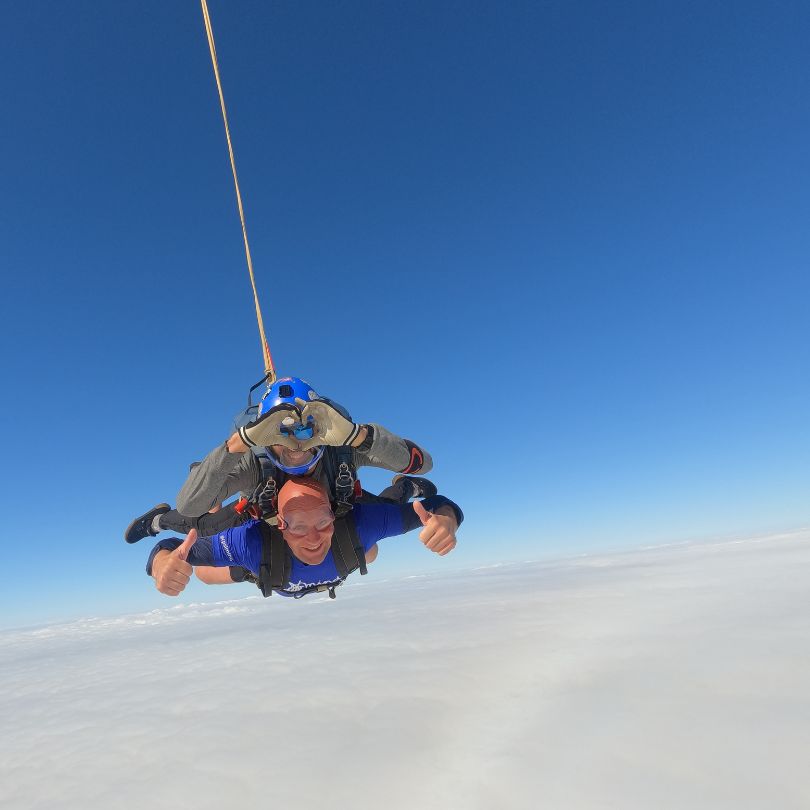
pixel 401 475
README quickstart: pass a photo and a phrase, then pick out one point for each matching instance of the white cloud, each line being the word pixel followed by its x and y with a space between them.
pixel 674 677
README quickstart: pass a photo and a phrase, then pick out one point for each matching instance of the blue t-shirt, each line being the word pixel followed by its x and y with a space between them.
pixel 242 545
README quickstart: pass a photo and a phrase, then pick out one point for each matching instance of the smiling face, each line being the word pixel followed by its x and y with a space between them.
pixel 305 519
pixel 290 457
pixel 308 533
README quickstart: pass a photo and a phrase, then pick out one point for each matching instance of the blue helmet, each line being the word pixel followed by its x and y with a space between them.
pixel 285 391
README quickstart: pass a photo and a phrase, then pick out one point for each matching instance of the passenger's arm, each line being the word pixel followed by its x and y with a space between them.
pixel 225 471
pixel 171 561
pixel 437 516
pixel 214 576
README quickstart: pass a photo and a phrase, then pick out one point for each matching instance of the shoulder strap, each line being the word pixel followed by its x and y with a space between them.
pixel 347 549
pixel 274 570
pixel 262 503
pixel 267 466
pixel 345 478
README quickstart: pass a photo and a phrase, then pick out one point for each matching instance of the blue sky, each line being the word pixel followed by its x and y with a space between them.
pixel 563 245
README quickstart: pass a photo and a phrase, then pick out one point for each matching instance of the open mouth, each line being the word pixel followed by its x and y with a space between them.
pixel 295 457
pixel 315 551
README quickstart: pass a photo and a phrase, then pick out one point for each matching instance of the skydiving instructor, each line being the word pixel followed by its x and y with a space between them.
pixel 297 433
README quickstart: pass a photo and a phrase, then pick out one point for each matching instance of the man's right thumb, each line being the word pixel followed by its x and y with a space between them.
pixel 184 548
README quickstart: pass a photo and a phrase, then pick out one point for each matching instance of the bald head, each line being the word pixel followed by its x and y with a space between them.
pixel 306 519
pixel 302 494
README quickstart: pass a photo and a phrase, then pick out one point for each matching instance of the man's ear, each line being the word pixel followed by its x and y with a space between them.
pixel 282 524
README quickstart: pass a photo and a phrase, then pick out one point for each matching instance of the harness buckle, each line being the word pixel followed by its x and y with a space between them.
pixel 344 479
pixel 264 501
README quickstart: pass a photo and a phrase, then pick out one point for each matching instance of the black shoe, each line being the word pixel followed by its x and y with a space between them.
pixel 142 526
pixel 419 487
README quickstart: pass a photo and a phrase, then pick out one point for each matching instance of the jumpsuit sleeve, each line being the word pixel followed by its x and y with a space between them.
pixel 376 521
pixel 391 452
pixel 236 546
pixel 219 475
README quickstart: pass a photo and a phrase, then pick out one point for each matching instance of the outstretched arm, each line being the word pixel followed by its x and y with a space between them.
pixel 171 561
pixel 437 516
pixel 222 473
pixel 214 576
pixel 374 445
pixel 389 451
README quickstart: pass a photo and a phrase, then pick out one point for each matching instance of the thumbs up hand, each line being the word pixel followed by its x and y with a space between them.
pixel 183 549
pixel 170 569
pixel 439 532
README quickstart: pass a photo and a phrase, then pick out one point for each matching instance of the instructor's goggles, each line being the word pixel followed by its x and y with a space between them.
pixel 299 430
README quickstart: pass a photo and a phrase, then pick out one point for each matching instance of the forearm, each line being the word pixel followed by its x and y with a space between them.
pixel 211 575
pixel 201 553
pixel 221 474
pixel 391 452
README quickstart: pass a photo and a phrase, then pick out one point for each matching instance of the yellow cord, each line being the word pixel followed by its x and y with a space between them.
pixel 268 360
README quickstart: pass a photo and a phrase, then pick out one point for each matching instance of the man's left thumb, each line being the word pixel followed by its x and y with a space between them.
pixel 421 512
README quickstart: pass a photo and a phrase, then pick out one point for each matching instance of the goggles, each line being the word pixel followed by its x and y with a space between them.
pixel 302 529
pixel 299 430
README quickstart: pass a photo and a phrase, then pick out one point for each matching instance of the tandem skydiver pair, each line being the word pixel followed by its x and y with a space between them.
pixel 301 450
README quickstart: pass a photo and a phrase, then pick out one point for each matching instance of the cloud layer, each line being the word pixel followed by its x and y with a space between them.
pixel 670 678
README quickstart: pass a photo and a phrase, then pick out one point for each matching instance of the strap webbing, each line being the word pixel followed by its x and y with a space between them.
pixel 274 570
pixel 275 566
pixel 268 359
pixel 346 547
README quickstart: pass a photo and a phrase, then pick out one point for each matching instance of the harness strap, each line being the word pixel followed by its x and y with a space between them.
pixel 274 569
pixel 344 481
pixel 263 502
pixel 276 561
pixel 347 549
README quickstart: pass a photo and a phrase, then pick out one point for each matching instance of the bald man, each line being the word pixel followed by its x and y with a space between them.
pixel 306 529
